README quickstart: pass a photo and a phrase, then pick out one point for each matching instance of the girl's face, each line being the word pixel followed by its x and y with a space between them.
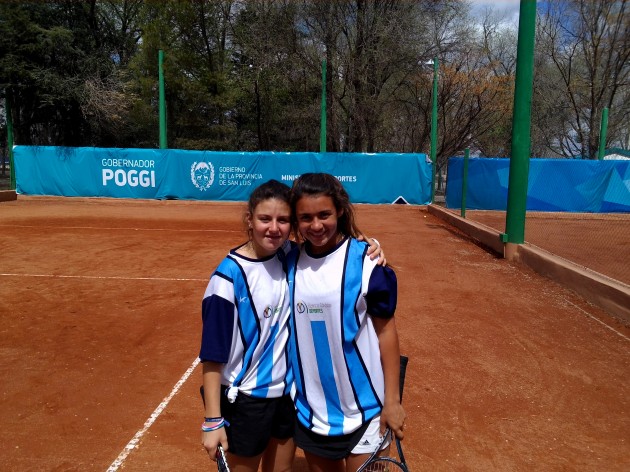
pixel 270 224
pixel 317 221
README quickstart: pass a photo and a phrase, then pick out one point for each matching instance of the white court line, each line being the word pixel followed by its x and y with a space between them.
pixel 127 228
pixel 133 444
pixel 598 320
pixel 56 276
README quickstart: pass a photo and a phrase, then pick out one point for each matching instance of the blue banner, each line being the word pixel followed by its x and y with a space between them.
pixel 209 175
pixel 553 185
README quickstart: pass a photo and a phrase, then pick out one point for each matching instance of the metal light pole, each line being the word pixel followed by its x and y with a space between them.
pixel 465 182
pixel 162 101
pixel 7 107
pixel 322 131
pixel 434 127
pixel 602 134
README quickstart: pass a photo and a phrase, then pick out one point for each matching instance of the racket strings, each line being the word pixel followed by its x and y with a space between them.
pixel 385 464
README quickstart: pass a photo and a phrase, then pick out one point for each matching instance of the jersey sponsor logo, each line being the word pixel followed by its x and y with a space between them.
pixel 318 309
pixel 202 175
pixel 270 310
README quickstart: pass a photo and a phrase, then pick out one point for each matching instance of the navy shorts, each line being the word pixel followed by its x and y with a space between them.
pixel 328 447
pixel 254 421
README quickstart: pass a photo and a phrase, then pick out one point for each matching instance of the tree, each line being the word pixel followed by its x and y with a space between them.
pixel 474 86
pixel 60 68
pixel 280 89
pixel 587 44
pixel 193 36
pixel 245 74
pixel 372 51
pixel 496 46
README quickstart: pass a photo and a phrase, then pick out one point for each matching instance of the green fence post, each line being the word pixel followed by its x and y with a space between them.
pixel 7 100
pixel 521 122
pixel 465 182
pixel 162 100
pixel 322 130
pixel 602 134
pixel 434 127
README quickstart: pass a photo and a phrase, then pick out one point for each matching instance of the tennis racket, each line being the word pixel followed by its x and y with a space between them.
pixel 222 464
pixel 394 461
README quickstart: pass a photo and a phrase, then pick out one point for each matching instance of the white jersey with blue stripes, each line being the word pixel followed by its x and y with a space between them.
pixel 334 347
pixel 245 313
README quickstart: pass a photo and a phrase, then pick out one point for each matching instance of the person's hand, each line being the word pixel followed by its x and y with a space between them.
pixel 210 440
pixel 393 415
pixel 374 250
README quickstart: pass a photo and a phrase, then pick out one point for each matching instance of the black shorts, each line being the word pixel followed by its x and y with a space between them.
pixel 254 421
pixel 328 447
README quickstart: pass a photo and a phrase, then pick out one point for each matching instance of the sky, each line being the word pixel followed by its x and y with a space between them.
pixel 509 8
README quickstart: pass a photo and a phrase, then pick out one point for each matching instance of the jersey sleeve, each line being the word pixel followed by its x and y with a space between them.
pixel 382 294
pixel 218 314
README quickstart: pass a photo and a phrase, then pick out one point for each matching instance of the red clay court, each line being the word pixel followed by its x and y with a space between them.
pixel 100 318
pixel 597 241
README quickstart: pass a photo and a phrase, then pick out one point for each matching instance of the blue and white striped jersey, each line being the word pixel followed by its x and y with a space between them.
pixel 245 314
pixel 335 352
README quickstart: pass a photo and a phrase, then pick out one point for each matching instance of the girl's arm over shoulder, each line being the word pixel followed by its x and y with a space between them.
pixel 374 250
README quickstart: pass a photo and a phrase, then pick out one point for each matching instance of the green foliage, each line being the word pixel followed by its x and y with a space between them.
pixel 198 94
pixel 246 74
pixel 49 51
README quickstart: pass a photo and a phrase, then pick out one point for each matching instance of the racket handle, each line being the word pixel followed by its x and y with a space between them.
pixel 222 465
pixel 403 371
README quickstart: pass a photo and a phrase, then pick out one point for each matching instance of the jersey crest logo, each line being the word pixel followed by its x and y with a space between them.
pixel 202 175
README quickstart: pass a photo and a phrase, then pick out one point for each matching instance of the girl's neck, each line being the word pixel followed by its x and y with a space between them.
pixel 328 247
pixel 249 250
